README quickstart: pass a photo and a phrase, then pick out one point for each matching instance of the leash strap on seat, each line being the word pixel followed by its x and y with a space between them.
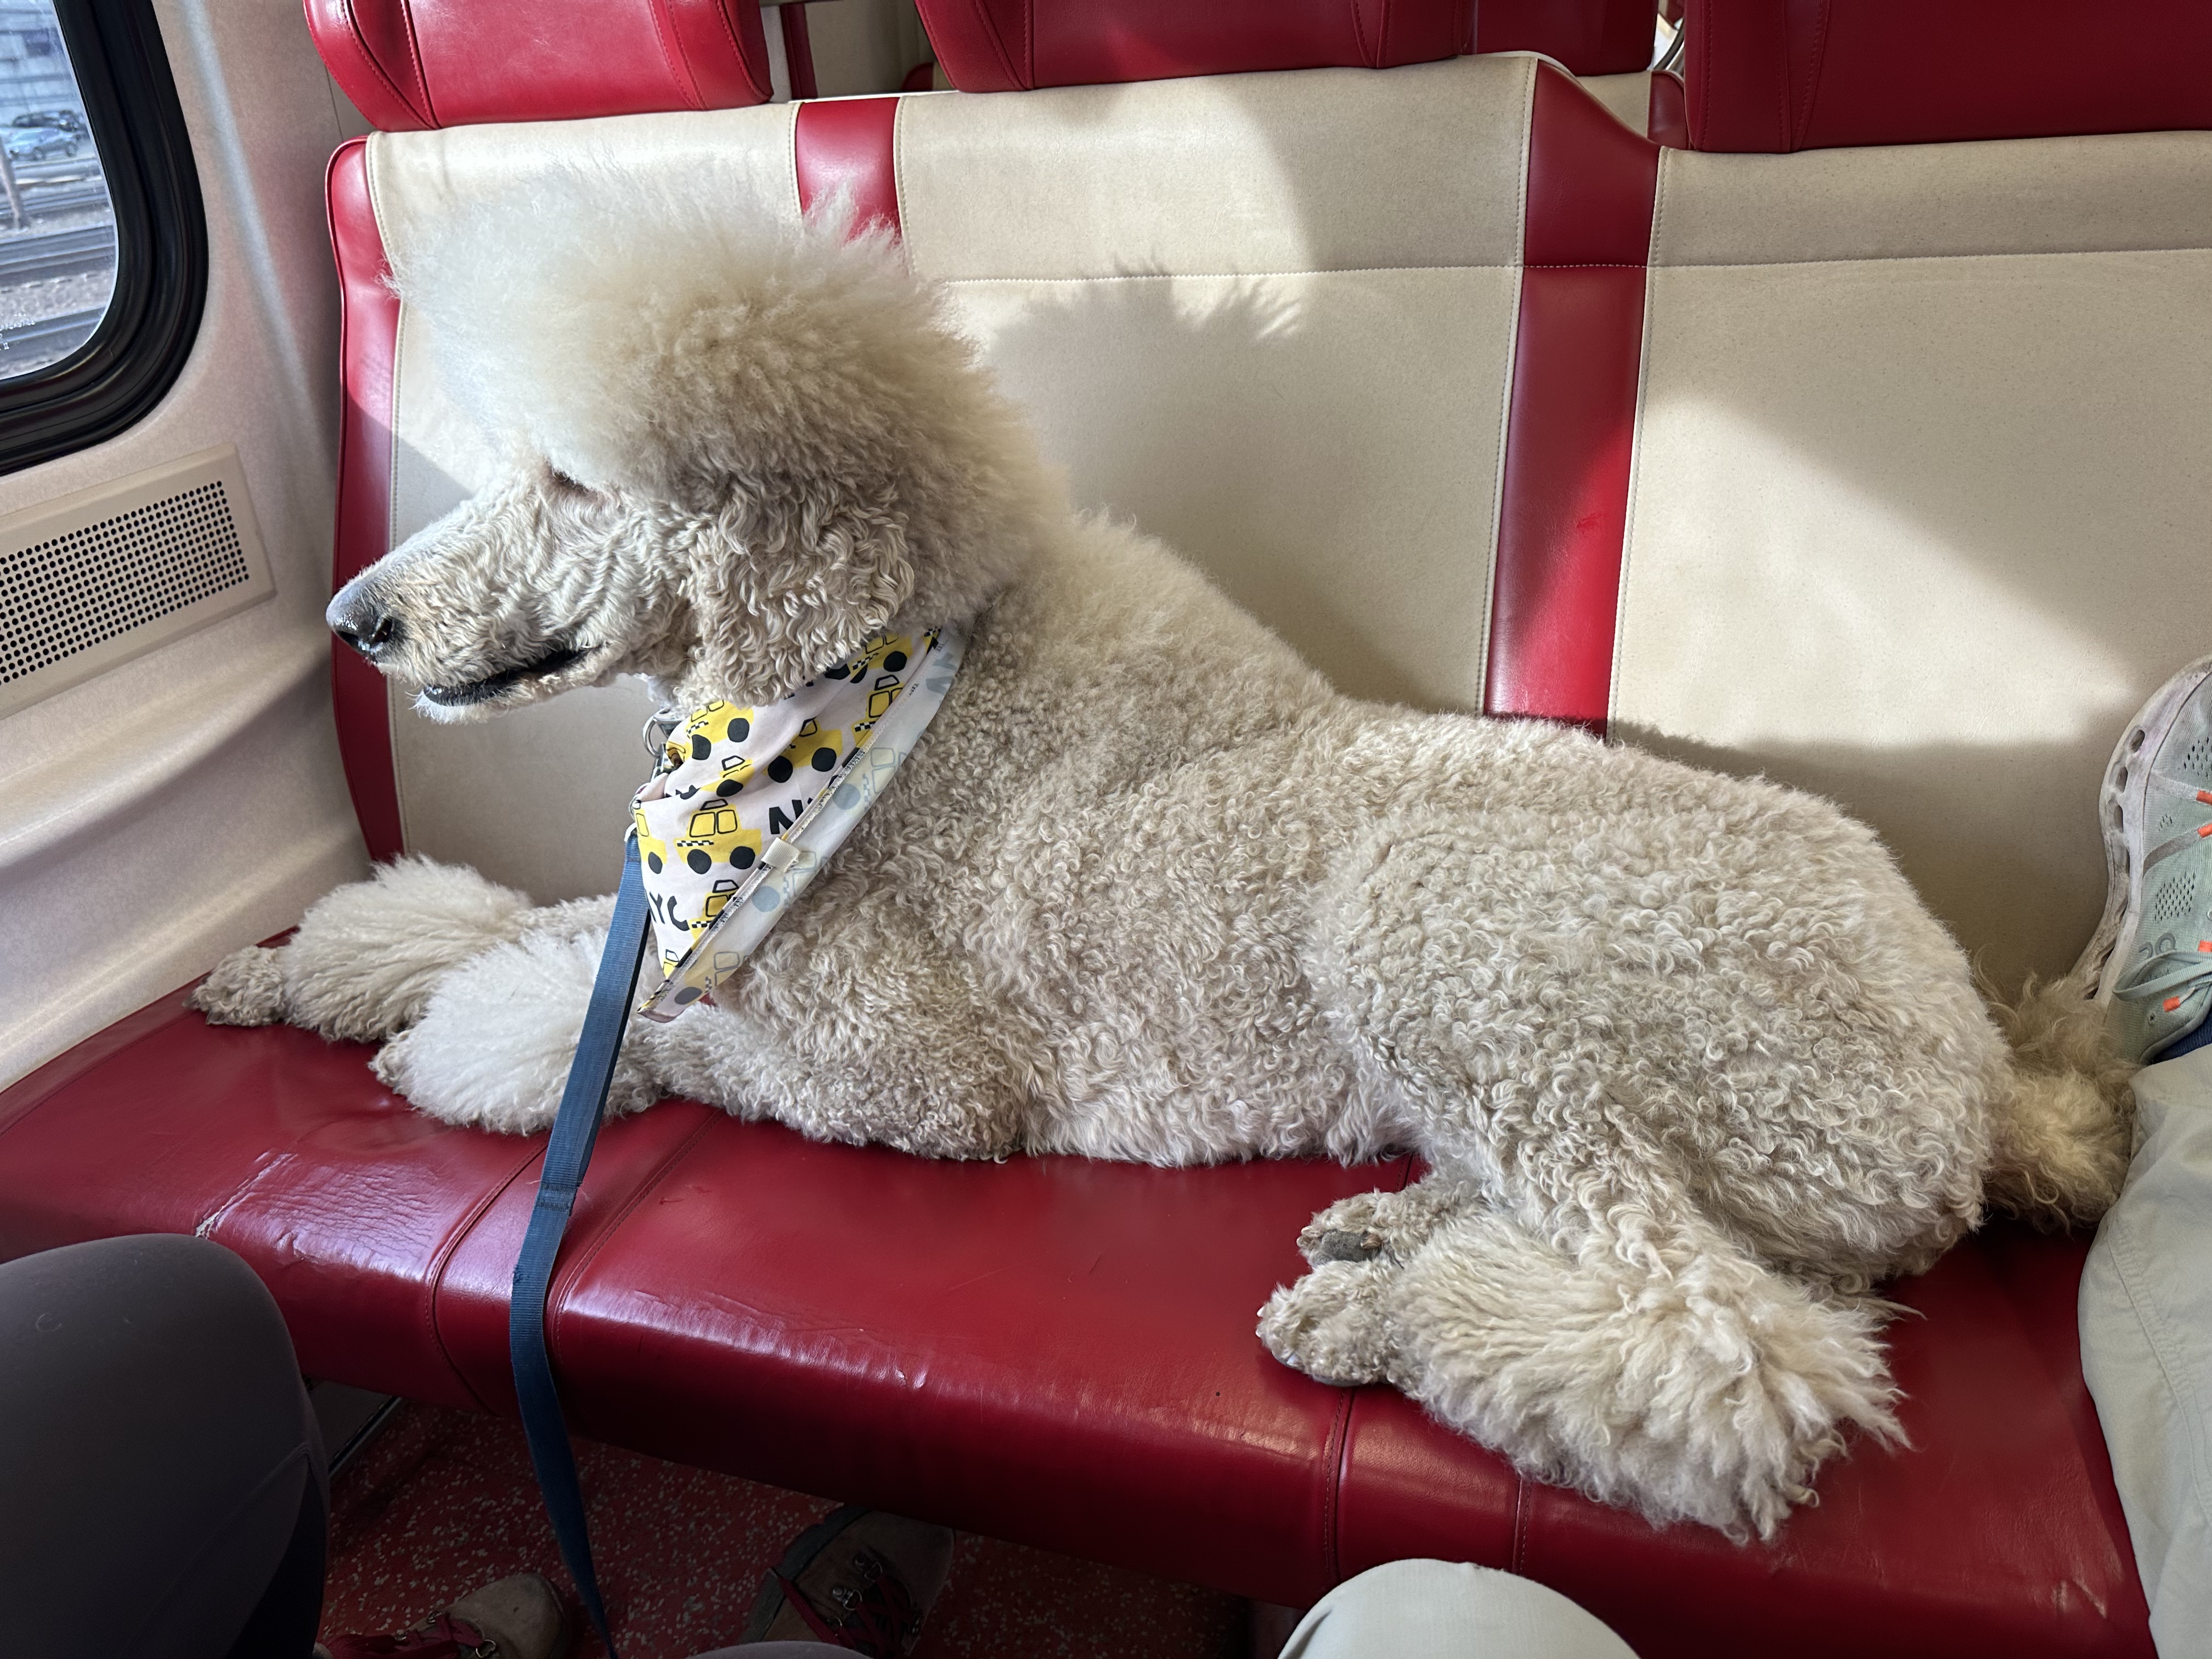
pixel 567 1155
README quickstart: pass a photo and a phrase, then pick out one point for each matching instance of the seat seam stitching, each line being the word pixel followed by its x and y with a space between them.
pixel 998 45
pixel 737 51
pixel 1804 121
pixel 1234 275
pixel 567 1279
pixel 361 45
pixel 1635 453
pixel 415 63
pixel 1922 259
pixel 1339 1439
pixel 672 55
pixel 462 1231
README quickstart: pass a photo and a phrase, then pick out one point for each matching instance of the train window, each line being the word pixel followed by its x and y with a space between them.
pixel 103 249
pixel 58 240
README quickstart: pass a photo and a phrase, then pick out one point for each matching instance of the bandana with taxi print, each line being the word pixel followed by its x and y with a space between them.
pixel 747 802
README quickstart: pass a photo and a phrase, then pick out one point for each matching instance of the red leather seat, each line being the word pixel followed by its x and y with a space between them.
pixel 1589 37
pixel 413 63
pixel 1003 45
pixel 1052 1350
pixel 1788 75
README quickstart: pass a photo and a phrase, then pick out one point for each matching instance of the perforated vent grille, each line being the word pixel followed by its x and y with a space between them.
pixel 72 592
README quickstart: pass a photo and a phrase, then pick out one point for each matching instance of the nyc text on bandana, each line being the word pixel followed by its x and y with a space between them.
pixel 746 803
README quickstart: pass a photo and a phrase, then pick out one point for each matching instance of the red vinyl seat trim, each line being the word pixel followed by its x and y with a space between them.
pixel 1050 1348
pixel 368 342
pixel 1786 75
pixel 847 144
pixel 1666 120
pixel 1570 428
pixel 798 49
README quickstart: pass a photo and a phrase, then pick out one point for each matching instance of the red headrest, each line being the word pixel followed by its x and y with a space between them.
pixel 1590 37
pixel 1000 46
pixel 445 63
pixel 1783 75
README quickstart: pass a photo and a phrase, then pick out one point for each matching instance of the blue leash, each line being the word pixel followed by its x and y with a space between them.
pixel 566 1153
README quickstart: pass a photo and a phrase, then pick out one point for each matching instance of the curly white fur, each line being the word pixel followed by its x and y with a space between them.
pixel 1694 1067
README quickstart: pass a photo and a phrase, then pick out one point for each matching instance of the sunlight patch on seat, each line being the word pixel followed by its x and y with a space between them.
pixel 1769 601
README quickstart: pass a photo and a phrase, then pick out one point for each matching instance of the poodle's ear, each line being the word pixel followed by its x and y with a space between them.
pixel 787 578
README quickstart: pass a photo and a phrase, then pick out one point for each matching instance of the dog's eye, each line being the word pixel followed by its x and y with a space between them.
pixel 562 482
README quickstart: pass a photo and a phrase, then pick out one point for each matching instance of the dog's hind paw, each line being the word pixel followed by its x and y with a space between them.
pixel 1331 1324
pixel 247 987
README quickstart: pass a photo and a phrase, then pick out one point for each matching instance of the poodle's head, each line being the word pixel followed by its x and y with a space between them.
pixel 730 454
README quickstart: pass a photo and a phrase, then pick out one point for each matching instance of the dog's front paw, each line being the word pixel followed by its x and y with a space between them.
pixel 1392 1225
pixel 1331 1324
pixel 369 955
pixel 247 987
pixel 492 1050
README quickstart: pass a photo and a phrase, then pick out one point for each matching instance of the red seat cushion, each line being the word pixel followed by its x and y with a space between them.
pixel 412 64
pixel 1051 1350
pixel 271 1142
pixel 1995 1531
pixel 1786 75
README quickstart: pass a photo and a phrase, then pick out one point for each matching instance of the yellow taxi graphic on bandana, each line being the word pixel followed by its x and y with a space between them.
pixel 733 779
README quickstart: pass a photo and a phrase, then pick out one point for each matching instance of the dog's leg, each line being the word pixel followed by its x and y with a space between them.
pixel 1660 1369
pixel 367 956
pixel 492 1047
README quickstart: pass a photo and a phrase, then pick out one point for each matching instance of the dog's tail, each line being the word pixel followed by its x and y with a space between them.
pixel 2064 1129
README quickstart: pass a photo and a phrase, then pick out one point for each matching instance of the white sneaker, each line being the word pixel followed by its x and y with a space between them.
pixel 2150 959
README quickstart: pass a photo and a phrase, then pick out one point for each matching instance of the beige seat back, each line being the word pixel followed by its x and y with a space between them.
pixel 1923 499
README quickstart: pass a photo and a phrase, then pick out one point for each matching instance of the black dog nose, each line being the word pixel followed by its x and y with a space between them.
pixel 365 625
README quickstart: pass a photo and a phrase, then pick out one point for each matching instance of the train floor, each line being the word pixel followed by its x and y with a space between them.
pixel 442 1501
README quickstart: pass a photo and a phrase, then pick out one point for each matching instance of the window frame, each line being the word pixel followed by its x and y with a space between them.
pixel 132 359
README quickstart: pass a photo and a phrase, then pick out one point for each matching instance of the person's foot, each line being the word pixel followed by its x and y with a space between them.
pixel 858 1578
pixel 517 1617
pixel 2150 961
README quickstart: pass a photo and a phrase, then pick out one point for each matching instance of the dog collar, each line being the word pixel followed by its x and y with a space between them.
pixel 747 802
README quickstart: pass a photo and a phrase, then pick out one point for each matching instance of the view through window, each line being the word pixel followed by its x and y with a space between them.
pixel 57 224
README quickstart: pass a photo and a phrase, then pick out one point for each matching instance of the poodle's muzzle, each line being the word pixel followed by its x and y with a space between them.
pixel 360 616
pixel 507 599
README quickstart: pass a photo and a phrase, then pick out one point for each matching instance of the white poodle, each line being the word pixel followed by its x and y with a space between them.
pixel 1691 1064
